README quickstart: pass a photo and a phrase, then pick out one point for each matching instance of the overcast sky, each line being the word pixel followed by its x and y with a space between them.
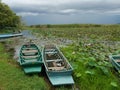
pixel 66 11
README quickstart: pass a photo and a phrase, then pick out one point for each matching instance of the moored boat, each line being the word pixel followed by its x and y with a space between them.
pixel 115 60
pixel 57 67
pixel 5 36
pixel 30 58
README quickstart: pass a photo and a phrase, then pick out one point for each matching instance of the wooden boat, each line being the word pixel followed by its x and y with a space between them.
pixel 5 36
pixel 115 60
pixel 57 67
pixel 30 58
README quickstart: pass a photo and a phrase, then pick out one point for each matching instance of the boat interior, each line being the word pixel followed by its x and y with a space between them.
pixel 117 59
pixel 29 53
pixel 54 60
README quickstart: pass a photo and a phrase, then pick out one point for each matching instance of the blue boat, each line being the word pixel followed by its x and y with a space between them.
pixel 57 67
pixel 30 58
pixel 5 36
pixel 115 60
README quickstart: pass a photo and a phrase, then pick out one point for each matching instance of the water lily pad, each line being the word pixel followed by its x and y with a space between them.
pixel 114 84
pixel 89 72
pixel 78 75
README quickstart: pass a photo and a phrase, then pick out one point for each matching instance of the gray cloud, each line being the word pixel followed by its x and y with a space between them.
pixel 36 7
pixel 66 11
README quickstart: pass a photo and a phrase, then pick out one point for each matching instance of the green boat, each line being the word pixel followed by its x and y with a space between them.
pixel 115 60
pixel 57 67
pixel 30 58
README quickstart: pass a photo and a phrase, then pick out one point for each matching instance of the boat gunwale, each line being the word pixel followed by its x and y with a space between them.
pixel 113 60
pixel 21 58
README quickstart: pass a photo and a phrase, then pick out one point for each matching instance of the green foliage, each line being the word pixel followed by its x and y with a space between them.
pixel 114 84
pixel 8 18
pixel 80 31
pixel 91 66
pixel 63 88
pixel 89 72
pixel 13 78
pixel 66 26
pixel 89 54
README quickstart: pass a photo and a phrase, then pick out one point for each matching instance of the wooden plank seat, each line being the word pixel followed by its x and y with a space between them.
pixel 29 48
pixel 56 68
pixel 47 50
pixel 31 60
pixel 55 60
pixel 29 51
pixel 50 52
pixel 117 60
pixel 27 57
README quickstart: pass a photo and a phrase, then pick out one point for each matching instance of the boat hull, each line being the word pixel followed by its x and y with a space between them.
pixel 32 67
pixel 61 80
pixel 5 36
pixel 115 60
pixel 58 77
pixel 30 59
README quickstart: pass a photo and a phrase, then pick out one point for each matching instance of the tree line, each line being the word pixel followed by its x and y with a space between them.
pixel 8 19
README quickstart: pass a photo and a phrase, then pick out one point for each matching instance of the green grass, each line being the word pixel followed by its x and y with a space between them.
pixel 102 32
pixel 12 76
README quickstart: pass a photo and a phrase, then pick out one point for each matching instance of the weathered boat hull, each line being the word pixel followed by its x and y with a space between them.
pixel 115 60
pixel 5 36
pixel 60 77
pixel 34 67
pixel 30 63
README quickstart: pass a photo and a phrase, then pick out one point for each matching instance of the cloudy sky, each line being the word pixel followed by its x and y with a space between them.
pixel 67 11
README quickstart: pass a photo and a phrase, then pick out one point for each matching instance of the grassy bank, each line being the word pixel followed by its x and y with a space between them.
pixel 12 76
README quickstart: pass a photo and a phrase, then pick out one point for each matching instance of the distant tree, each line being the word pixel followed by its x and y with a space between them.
pixel 8 18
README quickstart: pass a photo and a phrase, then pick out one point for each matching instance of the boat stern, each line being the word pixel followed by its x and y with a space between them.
pixel 34 67
pixel 61 80
pixel 29 70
